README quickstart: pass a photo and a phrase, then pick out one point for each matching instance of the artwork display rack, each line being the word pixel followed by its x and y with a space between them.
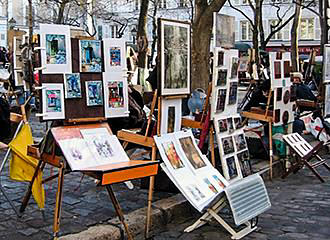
pixel 186 122
pixel 106 174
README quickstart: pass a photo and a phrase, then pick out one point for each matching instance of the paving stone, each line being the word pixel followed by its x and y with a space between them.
pixel 28 231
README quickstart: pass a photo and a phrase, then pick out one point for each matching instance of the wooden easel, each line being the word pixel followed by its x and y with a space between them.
pixel 266 116
pixel 106 174
pixel 186 122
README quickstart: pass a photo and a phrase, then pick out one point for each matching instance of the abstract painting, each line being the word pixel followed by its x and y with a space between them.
pixel 72 85
pixel 53 101
pixel 94 93
pixel 114 51
pixel 55 49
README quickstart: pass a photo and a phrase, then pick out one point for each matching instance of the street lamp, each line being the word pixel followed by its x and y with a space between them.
pixel 134 33
pixel 11 23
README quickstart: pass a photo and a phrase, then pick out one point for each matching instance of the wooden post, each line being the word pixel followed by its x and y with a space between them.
pixel 270 151
pixel 212 145
pixel 152 108
pixel 118 211
pixel 58 206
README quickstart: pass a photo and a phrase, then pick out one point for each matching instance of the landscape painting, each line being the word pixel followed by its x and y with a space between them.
pixel 90 56
pixel 55 49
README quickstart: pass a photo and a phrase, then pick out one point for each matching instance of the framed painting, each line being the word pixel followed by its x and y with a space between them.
pixel 90 56
pixel 94 93
pixel 114 51
pixel 53 101
pixel 174 57
pixel 56 48
pixel 115 95
pixel 326 66
pixel 224 30
pixel 72 85
pixel 171 115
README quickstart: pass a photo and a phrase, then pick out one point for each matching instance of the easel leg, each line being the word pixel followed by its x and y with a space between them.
pixel 118 211
pixel 212 145
pixel 150 195
pixel 27 196
pixel 58 206
pixel 270 151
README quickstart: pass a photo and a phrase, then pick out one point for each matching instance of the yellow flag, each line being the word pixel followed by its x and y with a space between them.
pixel 22 166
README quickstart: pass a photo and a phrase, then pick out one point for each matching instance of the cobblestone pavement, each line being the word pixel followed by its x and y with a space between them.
pixel 84 204
pixel 300 210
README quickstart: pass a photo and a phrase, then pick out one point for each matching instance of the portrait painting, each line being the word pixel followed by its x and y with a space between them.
pixel 223 125
pixel 238 123
pixel 72 85
pixel 240 142
pixel 231 165
pixel 191 152
pixel 227 145
pixel 287 69
pixel 222 77
pixel 279 94
pixel 230 124
pixel 245 163
pixel 232 93
pixel 171 115
pixel 90 56
pixel 172 155
pixel 116 94
pixel 175 57
pixel 94 93
pixel 56 49
pixel 221 100
pixel 210 185
pixel 234 67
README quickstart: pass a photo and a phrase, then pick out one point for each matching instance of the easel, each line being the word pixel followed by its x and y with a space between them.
pixel 106 174
pixel 265 116
pixel 186 122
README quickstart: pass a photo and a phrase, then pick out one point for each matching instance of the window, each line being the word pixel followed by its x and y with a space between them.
pixel 307 28
pixel 162 4
pixel 113 31
pixel 273 25
pixel 246 31
pixel 183 3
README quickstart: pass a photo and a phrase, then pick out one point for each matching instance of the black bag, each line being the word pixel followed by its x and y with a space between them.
pixel 4 119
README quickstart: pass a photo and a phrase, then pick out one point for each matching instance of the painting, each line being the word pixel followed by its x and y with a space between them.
pixel 115 56
pixel 224 30
pixel 220 58
pixel 90 56
pixel 53 101
pixel 56 48
pixel 114 52
pixel 221 100
pixel 240 142
pixel 218 180
pixel 326 66
pixel 279 94
pixel 245 163
pixel 277 70
pixel 172 155
pixel 171 115
pixel 234 67
pixel 195 192
pixel 222 77
pixel 287 69
pixel 210 185
pixel 116 94
pixel 170 119
pixel 230 124
pixel 232 169
pixel 238 123
pixel 175 57
pixel 227 145
pixel 72 85
pixel 191 152
pixel 94 93
pixel 223 125
pixel 327 100
pixel 232 93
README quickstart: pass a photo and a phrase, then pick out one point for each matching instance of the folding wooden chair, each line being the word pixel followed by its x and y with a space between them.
pixel 305 153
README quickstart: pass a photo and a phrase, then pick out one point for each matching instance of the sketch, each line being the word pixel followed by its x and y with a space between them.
pixel 56 49
pixel 227 145
pixel 221 100
pixel 195 192
pixel 230 124
pixel 191 152
pixel 103 147
pixel 234 67
pixel 223 125
pixel 224 30
pixel 53 101
pixel 222 77
pixel 116 94
pixel 216 178
pixel 221 56
pixel 175 57
pixel 232 170
pixel 233 93
pixel 90 56
pixel 210 185
pixel 172 155
pixel 94 93
pixel 115 56
pixel 238 123
pixel 240 142
pixel 170 119
pixel 245 163
pixel 72 85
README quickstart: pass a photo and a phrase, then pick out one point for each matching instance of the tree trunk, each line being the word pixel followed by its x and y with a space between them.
pixel 142 40
pixel 261 29
pixel 255 38
pixel 154 31
pixel 61 9
pixel 294 38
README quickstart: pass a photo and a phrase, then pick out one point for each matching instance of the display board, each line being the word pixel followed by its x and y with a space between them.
pixel 190 171
pixel 175 57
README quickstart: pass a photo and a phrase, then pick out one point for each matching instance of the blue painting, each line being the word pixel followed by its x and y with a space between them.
pixel 90 56
pixel 72 85
pixel 55 49
pixel 94 93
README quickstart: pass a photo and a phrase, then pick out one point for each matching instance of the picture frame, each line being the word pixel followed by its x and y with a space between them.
pixel 114 51
pixel 175 57
pixel 94 93
pixel 224 30
pixel 72 85
pixel 90 56
pixel 115 95
pixel 327 100
pixel 222 77
pixel 171 115
pixel 18 62
pixel 234 64
pixel 56 53
pixel 326 66
pixel 52 101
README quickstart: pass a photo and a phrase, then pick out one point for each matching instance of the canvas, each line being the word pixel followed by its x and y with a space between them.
pixel 53 101
pixel 171 115
pixel 238 123
pixel 72 85
pixel 230 125
pixel 90 56
pixel 191 152
pixel 114 51
pixel 175 57
pixel 55 43
pixel 94 94
pixel 220 61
